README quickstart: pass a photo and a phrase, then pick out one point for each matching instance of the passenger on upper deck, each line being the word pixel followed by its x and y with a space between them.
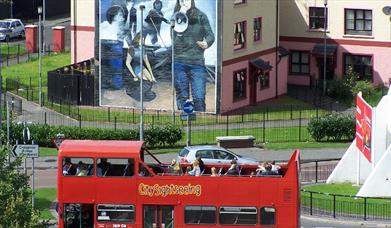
pixel 103 167
pixel 213 172
pixel 201 163
pixel 196 171
pixel 233 170
pixel 268 171
pixel 188 169
pixel 175 167
pixel 275 168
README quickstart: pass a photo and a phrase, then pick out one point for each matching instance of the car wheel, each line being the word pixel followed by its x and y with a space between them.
pixel 22 35
pixel 7 38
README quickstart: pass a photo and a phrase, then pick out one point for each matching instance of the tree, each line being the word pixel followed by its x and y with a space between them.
pixel 15 196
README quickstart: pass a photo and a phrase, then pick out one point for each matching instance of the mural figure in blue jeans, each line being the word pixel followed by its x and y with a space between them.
pixel 192 36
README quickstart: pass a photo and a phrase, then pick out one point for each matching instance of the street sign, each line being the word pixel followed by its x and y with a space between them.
pixel 30 151
pixel 188 107
pixel 191 117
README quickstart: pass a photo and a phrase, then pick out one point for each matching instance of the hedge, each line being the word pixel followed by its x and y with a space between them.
pixel 43 134
pixel 333 127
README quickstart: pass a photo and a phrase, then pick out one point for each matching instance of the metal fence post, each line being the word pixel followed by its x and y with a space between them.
pixel 291 112
pixel 316 172
pixel 79 121
pixel 17 55
pixel 133 114
pixel 264 127
pixel 365 209
pixel 227 123
pixel 334 202
pixel 300 126
pixel 115 123
pixel 108 114
pixel 46 122
pixel 311 203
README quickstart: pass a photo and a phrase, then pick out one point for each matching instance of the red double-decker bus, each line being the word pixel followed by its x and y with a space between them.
pixel 120 184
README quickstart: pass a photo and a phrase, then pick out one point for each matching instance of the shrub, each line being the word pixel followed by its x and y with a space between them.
pixel 365 87
pixel 43 134
pixel 332 127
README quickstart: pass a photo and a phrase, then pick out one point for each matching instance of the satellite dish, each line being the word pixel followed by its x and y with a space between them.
pixel 387 10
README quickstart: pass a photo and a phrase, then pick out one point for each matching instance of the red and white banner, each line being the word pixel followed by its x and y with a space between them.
pixel 363 127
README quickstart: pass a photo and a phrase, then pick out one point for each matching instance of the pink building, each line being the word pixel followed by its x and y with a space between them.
pixel 357 35
pixel 262 46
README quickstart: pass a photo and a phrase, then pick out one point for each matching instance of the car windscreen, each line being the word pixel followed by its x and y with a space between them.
pixel 184 152
pixel 4 24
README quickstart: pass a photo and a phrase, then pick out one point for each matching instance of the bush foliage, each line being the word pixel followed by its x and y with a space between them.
pixel 333 127
pixel 15 195
pixel 44 134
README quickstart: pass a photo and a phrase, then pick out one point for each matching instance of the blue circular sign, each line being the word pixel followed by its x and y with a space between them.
pixel 188 107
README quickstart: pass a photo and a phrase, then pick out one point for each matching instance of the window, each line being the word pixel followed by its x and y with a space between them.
pixel 239 35
pixel 360 64
pixel 268 216
pixel 257 28
pixel 115 167
pixel 200 215
pixel 238 216
pixel 264 78
pixel 238 2
pixel 317 18
pixel 358 22
pixel 204 154
pixel 115 213
pixel 220 154
pixel 299 62
pixel 78 167
pixel 240 84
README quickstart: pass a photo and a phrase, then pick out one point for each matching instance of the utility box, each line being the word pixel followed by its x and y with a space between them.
pixel 58 38
pixel 31 32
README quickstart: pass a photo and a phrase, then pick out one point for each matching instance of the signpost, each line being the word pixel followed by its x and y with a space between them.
pixel 30 151
pixel 188 108
pixel 27 151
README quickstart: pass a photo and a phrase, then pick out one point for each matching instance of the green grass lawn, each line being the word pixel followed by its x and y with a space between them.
pixel 345 199
pixel 11 50
pixel 25 71
pixel 44 151
pixel 43 199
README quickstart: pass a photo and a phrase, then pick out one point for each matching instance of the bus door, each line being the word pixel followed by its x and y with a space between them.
pixel 158 216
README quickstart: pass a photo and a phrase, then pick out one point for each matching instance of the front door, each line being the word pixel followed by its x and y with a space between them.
pixel 253 79
pixel 329 68
pixel 158 216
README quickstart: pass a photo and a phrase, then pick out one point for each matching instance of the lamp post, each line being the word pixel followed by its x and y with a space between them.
pixel 40 54
pixel 142 7
pixel 172 70
pixel 325 45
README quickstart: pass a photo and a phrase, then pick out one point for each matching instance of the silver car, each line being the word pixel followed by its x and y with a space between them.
pixel 212 155
pixel 10 28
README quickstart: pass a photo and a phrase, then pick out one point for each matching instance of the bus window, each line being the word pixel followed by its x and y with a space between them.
pixel 79 215
pixel 78 167
pixel 268 216
pixel 115 213
pixel 200 215
pixel 238 215
pixel 115 167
